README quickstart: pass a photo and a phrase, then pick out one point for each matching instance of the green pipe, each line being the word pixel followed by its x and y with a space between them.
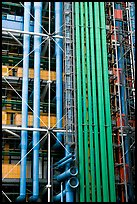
pixel 107 105
pixel 94 95
pixel 101 105
pixel 87 186
pixel 79 105
pixel 90 108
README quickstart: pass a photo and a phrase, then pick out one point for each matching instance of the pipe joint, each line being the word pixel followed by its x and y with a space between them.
pixel 73 158
pixel 21 198
pixel 72 183
pixel 73 171
pixel 33 198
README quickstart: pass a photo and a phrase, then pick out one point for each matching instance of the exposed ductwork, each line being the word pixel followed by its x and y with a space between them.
pixel 36 99
pixel 24 133
pixel 58 51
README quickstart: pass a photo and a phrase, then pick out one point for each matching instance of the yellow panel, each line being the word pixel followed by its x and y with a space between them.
pixel 44 118
pixel 44 74
pixel 4 118
pixel 6 158
pixel 15 173
pixel 31 73
pixel 4 71
pixel 19 72
pixel 8 118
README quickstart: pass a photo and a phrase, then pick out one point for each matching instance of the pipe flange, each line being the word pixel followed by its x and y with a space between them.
pixel 49 81
pixel 48 186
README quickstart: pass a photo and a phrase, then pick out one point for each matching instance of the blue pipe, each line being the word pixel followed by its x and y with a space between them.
pixel 63 159
pixel 71 185
pixel 24 134
pixel 58 197
pixel 67 162
pixel 121 65
pixel 58 52
pixel 36 99
pixel 132 14
pixel 73 171
pixel 123 104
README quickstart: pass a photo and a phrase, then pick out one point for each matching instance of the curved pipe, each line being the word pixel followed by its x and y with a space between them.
pixel 63 159
pixel 68 161
pixel 58 52
pixel 71 185
pixel 36 99
pixel 58 197
pixel 73 171
pixel 24 134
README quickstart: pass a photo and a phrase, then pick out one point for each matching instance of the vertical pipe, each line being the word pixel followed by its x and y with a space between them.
pixel 24 134
pixel 79 101
pixel 94 99
pixel 120 51
pixel 49 185
pixel 36 98
pixel 132 15
pixel 101 105
pixel 71 185
pixel 119 100
pixel 58 52
pixel 87 187
pixel 61 191
pixel 132 28
pixel 107 105
pixel 90 107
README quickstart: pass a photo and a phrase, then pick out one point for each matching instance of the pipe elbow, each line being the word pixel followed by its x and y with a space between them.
pixel 57 144
pixel 73 171
pixel 72 184
pixel 34 198
pixel 21 198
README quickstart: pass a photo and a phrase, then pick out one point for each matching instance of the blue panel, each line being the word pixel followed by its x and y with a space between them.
pixel 15 23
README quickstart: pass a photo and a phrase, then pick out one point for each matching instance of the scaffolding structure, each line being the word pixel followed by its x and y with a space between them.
pixel 122 83
pixel 12 54
pixel 68 129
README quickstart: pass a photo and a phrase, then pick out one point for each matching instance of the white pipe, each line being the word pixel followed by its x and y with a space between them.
pixel 12 133
pixel 30 33
pixel 61 191
pixel 49 186
pixel 31 129
pixel 15 38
